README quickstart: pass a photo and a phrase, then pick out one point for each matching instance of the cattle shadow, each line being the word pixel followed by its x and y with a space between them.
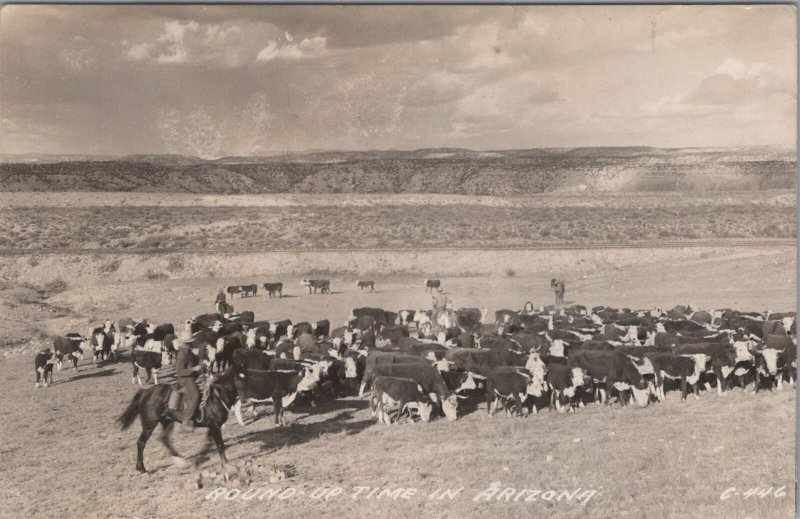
pixel 83 375
pixel 284 296
pixel 297 433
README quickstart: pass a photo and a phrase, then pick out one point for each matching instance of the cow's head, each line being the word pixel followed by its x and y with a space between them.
pixel 425 409
pixel 769 361
pixel 450 407
pixel 558 348
pixel 743 350
pixel 577 377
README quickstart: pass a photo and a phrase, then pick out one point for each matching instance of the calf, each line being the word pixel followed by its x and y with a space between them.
pixel 43 365
pixel 404 393
pixel 70 346
pixel 366 284
pixel 150 361
pixel 273 288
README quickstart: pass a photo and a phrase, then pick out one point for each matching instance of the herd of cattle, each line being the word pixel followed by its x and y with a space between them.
pixel 421 363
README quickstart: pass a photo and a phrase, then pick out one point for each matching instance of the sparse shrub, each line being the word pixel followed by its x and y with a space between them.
pixel 151 275
pixel 56 286
pixel 33 261
pixel 110 267
pixel 175 264
pixel 511 272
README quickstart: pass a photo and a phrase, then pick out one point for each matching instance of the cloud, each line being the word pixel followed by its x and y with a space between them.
pixel 307 48
pixel 191 42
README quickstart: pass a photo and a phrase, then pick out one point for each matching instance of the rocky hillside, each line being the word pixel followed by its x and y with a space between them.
pixel 439 170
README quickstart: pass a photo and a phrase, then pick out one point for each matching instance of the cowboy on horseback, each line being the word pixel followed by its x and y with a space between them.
pixel 187 370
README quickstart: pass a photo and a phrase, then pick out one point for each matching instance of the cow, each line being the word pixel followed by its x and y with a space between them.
pixel 321 328
pixel 233 289
pixel 225 347
pixel 788 350
pixel 722 363
pixel 150 361
pixel 43 365
pixel 70 346
pixel 282 386
pixel 517 384
pixel 101 345
pixel 378 358
pixel 470 319
pixel 405 393
pixel 366 284
pixel 429 378
pixel 686 368
pixel 393 333
pixel 249 290
pixel 204 321
pixel 364 322
pixel 477 361
pixel 431 284
pixel 770 363
pixel 407 317
pixel 612 370
pixel 273 288
pixel 323 285
pixel 241 317
pixel 280 329
pixel 564 383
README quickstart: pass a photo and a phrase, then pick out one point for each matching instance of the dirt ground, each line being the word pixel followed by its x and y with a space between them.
pixel 62 455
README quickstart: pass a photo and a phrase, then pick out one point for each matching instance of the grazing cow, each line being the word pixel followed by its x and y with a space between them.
pixel 70 346
pixel 273 288
pixel 323 285
pixel 380 358
pixel 321 328
pixel 611 370
pixel 233 289
pixel 517 384
pixel 43 365
pixel 404 393
pixel 431 284
pixel 150 361
pixel 429 378
pixel 366 284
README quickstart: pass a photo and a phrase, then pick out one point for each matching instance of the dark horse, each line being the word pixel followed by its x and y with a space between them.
pixel 150 405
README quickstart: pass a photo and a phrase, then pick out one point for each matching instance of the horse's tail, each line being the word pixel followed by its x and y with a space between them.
pixel 126 419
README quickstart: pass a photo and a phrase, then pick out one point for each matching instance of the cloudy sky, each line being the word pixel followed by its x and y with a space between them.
pixel 248 80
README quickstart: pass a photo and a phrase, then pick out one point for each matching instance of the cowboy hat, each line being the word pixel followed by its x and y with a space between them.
pixel 187 336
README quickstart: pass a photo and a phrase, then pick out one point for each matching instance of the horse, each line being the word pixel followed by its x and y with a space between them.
pixel 150 405
pixel 223 308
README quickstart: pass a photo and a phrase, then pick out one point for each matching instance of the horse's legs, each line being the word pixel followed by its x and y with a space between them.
pixel 164 437
pixel 147 430
pixel 215 433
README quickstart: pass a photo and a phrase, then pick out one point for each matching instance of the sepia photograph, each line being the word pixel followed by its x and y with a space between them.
pixel 398 261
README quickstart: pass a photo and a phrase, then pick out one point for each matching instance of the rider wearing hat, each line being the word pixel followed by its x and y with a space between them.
pixel 187 368
pixel 220 297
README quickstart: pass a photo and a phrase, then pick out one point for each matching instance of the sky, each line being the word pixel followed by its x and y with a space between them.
pixel 214 81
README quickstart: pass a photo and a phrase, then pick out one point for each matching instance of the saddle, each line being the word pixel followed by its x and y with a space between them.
pixel 176 400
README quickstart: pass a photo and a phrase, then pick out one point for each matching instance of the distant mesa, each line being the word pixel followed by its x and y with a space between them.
pixel 428 170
